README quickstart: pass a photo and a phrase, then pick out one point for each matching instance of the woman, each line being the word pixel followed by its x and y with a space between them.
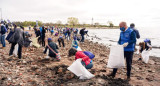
pixel 146 45
pixel 86 61
pixel 43 36
pixel 51 46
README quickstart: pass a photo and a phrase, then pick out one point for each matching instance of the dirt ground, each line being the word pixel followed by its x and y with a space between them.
pixel 34 70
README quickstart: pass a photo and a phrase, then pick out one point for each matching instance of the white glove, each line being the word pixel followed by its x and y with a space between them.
pixel 125 44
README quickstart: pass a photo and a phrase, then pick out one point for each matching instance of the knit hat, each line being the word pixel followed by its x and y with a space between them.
pixel 49 39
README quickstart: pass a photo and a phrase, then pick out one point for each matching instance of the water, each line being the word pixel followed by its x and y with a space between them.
pixel 110 37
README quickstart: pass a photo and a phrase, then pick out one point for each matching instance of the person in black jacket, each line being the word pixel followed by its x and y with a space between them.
pixel 53 46
pixel 61 41
pixel 43 36
pixel 82 32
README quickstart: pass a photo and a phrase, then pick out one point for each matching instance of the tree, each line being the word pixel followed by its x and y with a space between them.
pixel 72 21
pixel 96 24
pixel 59 23
pixel 110 23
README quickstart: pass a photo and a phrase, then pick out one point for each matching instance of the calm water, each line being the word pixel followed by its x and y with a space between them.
pixel 110 37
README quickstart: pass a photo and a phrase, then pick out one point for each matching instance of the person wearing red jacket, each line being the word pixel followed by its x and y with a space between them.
pixel 86 61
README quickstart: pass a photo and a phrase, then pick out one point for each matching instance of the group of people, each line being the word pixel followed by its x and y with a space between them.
pixel 128 38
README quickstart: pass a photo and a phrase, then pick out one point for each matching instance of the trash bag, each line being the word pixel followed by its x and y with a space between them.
pixel 116 57
pixel 89 54
pixel 79 70
pixel 35 42
pixel 79 49
pixel 15 52
pixel 145 56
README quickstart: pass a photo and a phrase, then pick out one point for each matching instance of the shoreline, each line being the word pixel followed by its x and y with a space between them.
pixel 34 69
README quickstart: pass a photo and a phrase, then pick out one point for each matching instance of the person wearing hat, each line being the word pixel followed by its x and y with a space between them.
pixel 61 41
pixel 53 46
pixel 145 45
pixel 75 43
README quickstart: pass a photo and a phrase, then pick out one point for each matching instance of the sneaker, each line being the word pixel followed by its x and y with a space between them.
pixel 111 75
pixel 128 78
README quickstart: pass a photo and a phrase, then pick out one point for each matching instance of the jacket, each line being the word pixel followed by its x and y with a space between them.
pixel 53 46
pixel 130 37
pixel 84 57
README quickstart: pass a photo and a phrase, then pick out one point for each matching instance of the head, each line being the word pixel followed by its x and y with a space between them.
pixel 123 26
pixel 72 52
pixel 75 38
pixel 132 25
pixel 49 40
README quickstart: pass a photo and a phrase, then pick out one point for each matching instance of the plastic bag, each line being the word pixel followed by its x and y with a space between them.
pixel 116 57
pixel 35 42
pixel 145 56
pixel 15 52
pixel 79 49
pixel 79 70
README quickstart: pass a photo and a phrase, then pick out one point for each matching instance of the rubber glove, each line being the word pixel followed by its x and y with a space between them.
pixel 125 44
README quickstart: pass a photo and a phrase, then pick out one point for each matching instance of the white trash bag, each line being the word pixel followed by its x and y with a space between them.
pixel 79 49
pixel 79 70
pixel 47 56
pixel 15 52
pixel 116 57
pixel 145 56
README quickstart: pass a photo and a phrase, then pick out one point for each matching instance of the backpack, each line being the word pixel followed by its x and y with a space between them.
pixel 89 54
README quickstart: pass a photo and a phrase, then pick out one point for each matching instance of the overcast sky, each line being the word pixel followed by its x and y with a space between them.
pixel 144 13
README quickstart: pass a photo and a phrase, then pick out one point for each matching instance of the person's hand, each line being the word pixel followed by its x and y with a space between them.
pixel 125 44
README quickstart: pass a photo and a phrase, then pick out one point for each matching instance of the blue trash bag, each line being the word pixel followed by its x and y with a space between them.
pixel 89 54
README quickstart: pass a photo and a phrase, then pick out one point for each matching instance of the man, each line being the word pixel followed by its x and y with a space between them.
pixel 128 40
pixel 132 26
pixel 2 33
pixel 82 32
pixel 61 41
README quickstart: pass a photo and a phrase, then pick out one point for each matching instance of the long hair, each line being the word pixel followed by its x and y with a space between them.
pixel 72 52
pixel 142 44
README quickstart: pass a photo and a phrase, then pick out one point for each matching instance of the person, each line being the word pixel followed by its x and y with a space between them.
pixel 128 40
pixel 86 61
pixel 27 40
pixel 3 34
pixel 61 41
pixel 82 32
pixel 53 46
pixel 52 31
pixel 132 26
pixel 43 36
pixel 56 34
pixel 75 43
pixel 145 45
pixel 17 38
pixel 68 32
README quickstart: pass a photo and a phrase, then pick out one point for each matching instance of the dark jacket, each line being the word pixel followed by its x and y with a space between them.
pixel 53 46
pixel 17 37
pixel 3 29
pixel 82 32
pixel 136 32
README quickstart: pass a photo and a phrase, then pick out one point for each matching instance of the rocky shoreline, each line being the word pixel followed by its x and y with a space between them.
pixel 35 70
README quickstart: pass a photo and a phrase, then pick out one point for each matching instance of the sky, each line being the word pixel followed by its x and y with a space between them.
pixel 144 13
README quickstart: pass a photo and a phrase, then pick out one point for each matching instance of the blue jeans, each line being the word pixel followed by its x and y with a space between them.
pixel 89 66
pixel 82 40
pixel 3 40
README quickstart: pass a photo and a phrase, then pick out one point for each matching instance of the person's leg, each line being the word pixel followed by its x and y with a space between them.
pixel 19 51
pixel 0 38
pixel 82 38
pixel 59 43
pixel 63 43
pixel 129 56
pixel 3 40
pixel 11 49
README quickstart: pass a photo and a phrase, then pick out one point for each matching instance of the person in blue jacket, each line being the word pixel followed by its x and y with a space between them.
pixel 128 40
pixel 3 31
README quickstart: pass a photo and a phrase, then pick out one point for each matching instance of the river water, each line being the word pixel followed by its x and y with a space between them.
pixel 110 37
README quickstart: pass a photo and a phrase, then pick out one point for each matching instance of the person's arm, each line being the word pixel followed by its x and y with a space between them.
pixel 57 47
pixel 45 50
pixel 119 41
pixel 132 37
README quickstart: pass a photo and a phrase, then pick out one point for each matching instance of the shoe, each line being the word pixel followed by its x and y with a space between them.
pixel 128 78
pixel 139 59
pixel 111 75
